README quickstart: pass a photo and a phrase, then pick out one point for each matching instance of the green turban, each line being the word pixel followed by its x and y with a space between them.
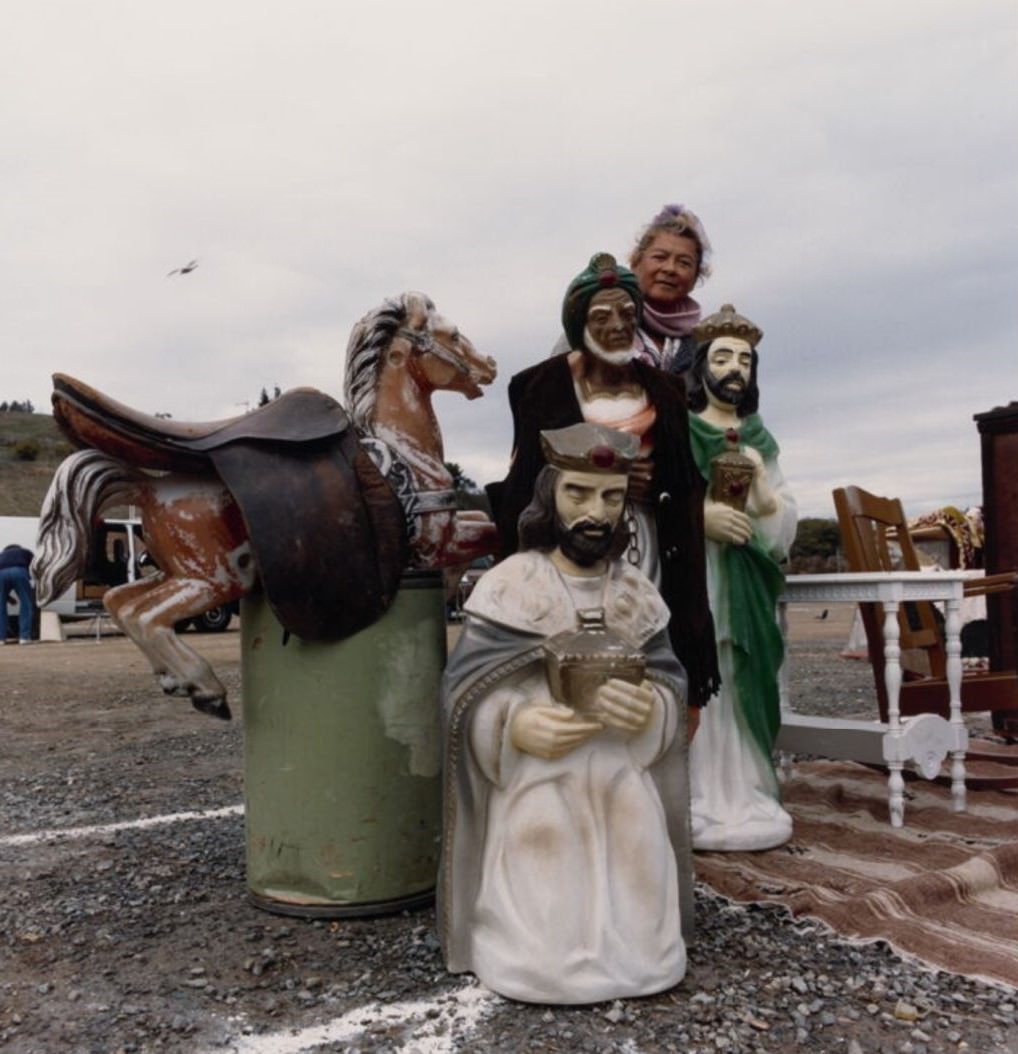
pixel 602 273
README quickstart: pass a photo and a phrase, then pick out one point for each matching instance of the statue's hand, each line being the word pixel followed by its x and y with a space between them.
pixel 625 706
pixel 722 523
pixel 550 731
pixel 762 500
pixel 640 473
pixel 754 455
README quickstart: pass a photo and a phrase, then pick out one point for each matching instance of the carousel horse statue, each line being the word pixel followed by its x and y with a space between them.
pixel 322 508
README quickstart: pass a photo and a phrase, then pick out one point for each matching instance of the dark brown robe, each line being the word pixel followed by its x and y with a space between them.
pixel 544 397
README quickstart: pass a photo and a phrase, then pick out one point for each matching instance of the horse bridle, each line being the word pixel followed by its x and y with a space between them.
pixel 425 343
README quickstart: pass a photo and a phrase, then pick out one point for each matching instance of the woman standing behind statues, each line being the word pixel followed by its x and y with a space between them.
pixel 670 256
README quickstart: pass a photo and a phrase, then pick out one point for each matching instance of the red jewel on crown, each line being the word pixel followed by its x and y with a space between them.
pixel 602 457
pixel 607 278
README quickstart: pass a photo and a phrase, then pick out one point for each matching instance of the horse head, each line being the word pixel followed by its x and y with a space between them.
pixel 407 338
pixel 442 358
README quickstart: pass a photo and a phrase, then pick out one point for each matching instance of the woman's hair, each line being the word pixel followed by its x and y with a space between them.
pixel 676 219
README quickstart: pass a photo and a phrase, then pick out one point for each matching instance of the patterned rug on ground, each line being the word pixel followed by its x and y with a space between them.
pixel 942 889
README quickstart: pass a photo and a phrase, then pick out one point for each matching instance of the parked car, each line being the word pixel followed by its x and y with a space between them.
pixel 215 620
pixel 459 588
pixel 118 555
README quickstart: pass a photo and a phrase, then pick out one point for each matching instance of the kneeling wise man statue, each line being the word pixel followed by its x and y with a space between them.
pixel 566 869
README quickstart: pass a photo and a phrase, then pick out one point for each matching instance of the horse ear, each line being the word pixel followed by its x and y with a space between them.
pixel 418 308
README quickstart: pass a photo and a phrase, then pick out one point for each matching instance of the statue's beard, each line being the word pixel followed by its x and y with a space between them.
pixel 585 542
pixel 729 389
pixel 613 358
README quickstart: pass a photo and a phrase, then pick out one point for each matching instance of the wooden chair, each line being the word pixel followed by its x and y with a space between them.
pixel 869 525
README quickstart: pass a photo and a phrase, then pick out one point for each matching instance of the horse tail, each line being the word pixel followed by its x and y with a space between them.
pixel 85 482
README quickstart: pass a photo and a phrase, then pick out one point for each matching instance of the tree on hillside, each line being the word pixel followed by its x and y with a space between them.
pixel 816 545
pixel 27 450
pixel 15 407
pixel 468 494
pixel 460 480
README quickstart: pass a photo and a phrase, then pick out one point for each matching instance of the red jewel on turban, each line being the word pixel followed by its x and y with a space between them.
pixel 607 278
pixel 602 457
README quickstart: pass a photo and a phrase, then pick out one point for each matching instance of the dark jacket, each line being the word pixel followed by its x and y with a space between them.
pixel 15 556
pixel 543 397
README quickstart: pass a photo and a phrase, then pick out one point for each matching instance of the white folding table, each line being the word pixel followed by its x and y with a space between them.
pixel 926 739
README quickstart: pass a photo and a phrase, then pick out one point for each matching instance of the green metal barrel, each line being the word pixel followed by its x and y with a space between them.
pixel 343 754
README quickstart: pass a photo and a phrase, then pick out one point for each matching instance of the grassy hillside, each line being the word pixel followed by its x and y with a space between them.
pixel 24 478
pixel 23 484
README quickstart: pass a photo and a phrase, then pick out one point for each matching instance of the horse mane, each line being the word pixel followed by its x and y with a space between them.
pixel 365 354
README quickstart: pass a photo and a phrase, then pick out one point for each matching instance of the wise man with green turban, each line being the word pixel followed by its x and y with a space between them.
pixel 601 380
pixel 750 520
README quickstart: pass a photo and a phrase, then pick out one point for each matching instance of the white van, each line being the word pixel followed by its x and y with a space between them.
pixel 116 550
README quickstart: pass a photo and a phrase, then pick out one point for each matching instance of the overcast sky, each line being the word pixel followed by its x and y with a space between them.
pixel 855 165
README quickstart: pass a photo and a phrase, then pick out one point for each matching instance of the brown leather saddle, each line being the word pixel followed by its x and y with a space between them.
pixel 328 531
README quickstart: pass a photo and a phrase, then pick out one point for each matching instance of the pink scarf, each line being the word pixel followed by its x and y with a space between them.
pixel 677 323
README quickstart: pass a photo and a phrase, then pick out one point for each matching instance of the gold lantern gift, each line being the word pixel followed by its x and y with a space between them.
pixel 731 474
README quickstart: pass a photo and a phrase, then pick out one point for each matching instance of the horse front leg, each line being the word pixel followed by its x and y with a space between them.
pixel 115 601
pixel 148 612
pixel 448 539
pixel 471 535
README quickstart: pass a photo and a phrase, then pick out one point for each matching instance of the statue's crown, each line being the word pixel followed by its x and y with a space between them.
pixel 727 323
pixel 590 448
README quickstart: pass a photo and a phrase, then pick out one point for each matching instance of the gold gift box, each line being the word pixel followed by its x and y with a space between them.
pixel 579 661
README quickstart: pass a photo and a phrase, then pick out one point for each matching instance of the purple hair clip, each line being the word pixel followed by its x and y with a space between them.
pixel 669 212
pixel 693 224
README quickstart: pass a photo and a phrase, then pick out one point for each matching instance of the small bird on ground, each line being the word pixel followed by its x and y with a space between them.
pixel 186 269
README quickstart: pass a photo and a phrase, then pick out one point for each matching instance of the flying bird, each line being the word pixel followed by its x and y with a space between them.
pixel 186 269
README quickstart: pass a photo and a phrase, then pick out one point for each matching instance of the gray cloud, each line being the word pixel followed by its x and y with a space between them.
pixel 855 166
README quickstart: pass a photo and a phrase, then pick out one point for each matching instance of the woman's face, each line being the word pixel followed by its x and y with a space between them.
pixel 667 269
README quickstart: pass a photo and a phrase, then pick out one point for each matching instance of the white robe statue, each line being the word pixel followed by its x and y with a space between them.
pixel 749 526
pixel 564 879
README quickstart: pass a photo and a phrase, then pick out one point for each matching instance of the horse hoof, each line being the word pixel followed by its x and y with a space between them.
pixel 213 706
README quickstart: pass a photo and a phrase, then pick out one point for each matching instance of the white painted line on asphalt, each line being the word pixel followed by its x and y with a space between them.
pixel 453 1017
pixel 437 1026
pixel 58 833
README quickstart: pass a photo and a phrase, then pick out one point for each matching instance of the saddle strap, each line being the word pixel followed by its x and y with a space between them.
pixel 396 472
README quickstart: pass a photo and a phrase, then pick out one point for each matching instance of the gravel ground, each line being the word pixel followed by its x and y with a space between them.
pixel 142 939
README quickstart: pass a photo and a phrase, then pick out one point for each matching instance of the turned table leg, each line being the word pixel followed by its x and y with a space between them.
pixel 892 681
pixel 952 645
